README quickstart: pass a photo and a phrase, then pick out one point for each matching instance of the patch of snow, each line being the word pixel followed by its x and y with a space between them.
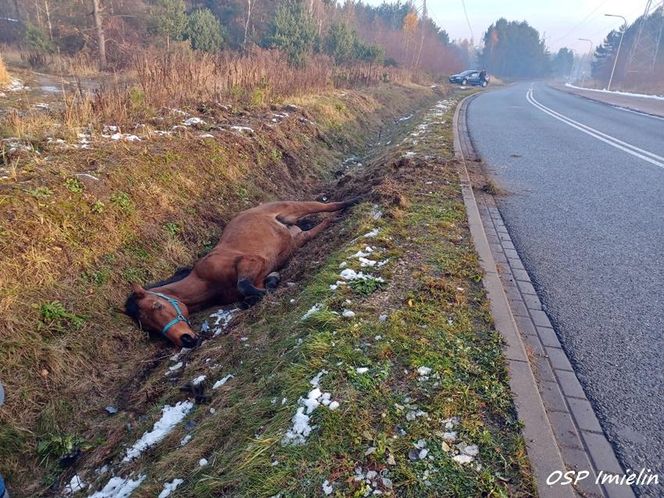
pixel 193 121
pixel 316 380
pixel 222 319
pixel 405 118
pixel 171 416
pixel 312 311
pixel 117 487
pixel 376 212
pixel 75 485
pixel 450 436
pixel 424 372
pixel 348 314
pixel 221 382
pixel 202 462
pixel 185 440
pixel 198 380
pixel 373 233
pixel 362 370
pixel 327 487
pixel 301 427
pixel 364 262
pixel 16 85
pixel 206 135
pixel 242 129
pixel 169 487
pixel 462 459
pixel 175 367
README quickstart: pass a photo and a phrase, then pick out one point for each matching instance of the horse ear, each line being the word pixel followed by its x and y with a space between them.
pixel 138 291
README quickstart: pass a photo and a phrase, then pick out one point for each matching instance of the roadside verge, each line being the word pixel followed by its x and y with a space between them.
pixel 642 105
pixel 560 427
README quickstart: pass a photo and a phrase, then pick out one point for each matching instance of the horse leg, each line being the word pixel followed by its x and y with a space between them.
pixel 272 281
pixel 290 212
pixel 305 236
pixel 251 275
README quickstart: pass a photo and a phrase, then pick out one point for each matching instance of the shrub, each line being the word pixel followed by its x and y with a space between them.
pixel 169 19
pixel 293 31
pixel 204 31
pixel 340 42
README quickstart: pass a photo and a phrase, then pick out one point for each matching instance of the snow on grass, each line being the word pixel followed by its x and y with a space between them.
pixel 617 92
pixel 118 487
pixel 348 314
pixel 194 121
pixel 175 367
pixel 198 380
pixel 16 85
pixel 203 462
pixel 185 440
pixel 301 427
pixel 126 137
pixel 171 416
pixel 169 487
pixel 350 274
pixel 373 233
pixel 362 370
pixel 75 485
pixel 312 311
pixel 221 382
pixel 222 318
pixel 327 488
pixel 242 129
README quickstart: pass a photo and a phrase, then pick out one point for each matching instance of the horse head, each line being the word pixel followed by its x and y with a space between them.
pixel 161 313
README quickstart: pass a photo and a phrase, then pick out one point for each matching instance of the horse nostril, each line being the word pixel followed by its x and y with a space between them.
pixel 188 341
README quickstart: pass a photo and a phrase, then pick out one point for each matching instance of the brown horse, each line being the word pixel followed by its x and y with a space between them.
pixel 241 267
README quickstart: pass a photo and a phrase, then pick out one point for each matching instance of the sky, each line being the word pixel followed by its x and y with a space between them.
pixel 562 22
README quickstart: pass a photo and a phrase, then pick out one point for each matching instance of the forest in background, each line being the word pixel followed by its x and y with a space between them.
pixel 647 71
pixel 107 33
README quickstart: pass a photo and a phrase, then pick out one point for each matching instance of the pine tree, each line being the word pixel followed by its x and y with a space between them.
pixel 204 31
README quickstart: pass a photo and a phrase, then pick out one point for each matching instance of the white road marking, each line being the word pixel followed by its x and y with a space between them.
pixel 603 137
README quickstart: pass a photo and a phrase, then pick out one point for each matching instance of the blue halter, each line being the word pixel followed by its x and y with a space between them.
pixel 180 316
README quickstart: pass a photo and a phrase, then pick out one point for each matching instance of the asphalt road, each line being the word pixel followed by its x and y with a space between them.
pixel 585 209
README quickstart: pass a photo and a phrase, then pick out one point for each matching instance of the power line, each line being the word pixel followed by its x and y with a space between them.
pixel 580 23
pixel 470 27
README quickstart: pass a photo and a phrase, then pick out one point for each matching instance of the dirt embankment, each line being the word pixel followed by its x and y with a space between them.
pixel 82 218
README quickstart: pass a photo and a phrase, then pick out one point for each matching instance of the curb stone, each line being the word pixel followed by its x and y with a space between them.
pixel 560 427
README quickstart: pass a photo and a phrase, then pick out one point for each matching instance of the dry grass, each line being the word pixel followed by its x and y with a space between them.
pixel 4 74
pixel 77 241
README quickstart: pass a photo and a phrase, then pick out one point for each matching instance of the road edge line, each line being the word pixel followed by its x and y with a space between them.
pixel 541 445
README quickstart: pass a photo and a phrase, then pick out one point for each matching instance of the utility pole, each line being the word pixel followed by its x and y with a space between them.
pixel 422 23
pixel 643 55
pixel 622 35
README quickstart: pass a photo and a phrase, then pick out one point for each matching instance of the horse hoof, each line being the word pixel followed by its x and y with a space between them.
pixel 272 280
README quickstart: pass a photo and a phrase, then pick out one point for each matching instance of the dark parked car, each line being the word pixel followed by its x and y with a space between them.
pixel 473 77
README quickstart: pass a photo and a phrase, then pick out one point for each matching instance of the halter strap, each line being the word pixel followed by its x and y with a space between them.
pixel 179 317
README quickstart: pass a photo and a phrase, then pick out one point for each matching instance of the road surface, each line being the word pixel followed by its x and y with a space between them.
pixel 585 209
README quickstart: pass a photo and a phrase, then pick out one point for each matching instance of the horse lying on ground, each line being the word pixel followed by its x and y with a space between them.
pixel 241 267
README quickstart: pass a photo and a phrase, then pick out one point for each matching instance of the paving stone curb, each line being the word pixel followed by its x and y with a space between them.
pixel 560 426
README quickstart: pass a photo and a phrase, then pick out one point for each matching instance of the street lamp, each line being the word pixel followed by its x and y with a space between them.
pixel 590 52
pixel 622 34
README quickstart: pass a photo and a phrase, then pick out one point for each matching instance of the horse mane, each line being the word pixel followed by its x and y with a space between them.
pixel 131 305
